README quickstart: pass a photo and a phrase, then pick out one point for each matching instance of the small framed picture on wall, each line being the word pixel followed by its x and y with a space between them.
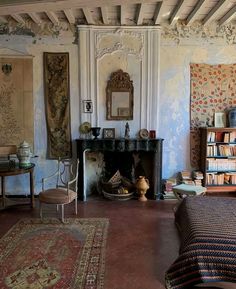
pixel 87 106
pixel 108 133
pixel 220 119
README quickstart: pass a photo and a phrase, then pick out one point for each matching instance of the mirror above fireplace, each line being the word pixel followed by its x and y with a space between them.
pixel 119 96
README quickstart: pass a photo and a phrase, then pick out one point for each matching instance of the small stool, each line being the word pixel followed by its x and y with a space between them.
pixel 183 190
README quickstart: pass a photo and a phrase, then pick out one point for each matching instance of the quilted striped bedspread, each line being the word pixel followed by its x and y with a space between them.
pixel 207 253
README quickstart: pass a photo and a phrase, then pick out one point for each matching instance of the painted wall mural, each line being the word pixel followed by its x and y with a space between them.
pixel 16 101
pixel 213 89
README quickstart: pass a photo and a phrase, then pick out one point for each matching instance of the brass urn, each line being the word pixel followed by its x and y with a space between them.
pixel 142 185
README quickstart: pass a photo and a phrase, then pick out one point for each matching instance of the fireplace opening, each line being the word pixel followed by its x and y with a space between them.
pixel 121 169
pixel 133 157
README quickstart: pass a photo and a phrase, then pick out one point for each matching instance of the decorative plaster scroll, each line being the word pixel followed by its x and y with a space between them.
pixel 30 28
pixel 16 102
pixel 57 104
pixel 130 42
pixel 208 34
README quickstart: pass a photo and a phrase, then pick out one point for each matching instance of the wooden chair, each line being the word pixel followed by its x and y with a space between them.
pixel 64 190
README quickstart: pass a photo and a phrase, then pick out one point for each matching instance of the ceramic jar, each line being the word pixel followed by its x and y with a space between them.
pixel 24 154
pixel 142 185
pixel 232 117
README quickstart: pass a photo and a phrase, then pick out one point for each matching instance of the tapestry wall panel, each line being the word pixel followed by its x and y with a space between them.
pixel 213 89
pixel 57 104
pixel 16 101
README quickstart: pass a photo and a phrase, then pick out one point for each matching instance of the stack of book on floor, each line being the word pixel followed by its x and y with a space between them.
pixel 186 178
pixel 169 184
pixel 198 177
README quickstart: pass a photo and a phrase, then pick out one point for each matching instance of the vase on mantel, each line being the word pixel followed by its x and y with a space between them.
pixel 232 117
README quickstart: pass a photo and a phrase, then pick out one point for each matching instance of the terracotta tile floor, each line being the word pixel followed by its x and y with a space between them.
pixel 142 238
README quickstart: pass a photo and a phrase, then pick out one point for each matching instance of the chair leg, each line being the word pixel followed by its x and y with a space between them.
pixel 62 213
pixel 57 207
pixel 40 210
pixel 76 206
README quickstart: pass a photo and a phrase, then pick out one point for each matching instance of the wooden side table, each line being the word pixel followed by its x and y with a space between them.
pixel 5 172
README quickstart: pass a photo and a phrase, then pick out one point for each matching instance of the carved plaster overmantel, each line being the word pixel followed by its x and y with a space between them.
pixel 121 42
pixel 105 49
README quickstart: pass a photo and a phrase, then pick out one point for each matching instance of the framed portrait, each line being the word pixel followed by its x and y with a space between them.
pixel 108 133
pixel 220 119
pixel 87 106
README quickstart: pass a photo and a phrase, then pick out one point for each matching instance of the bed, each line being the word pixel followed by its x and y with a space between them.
pixel 207 253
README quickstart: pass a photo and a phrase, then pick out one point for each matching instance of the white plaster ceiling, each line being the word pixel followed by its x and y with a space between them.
pixel 118 12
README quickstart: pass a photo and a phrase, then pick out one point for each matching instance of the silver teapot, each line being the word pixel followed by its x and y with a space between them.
pixel 24 154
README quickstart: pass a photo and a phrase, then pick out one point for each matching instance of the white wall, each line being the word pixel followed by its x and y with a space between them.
pixel 176 53
pixel 23 45
pixel 181 46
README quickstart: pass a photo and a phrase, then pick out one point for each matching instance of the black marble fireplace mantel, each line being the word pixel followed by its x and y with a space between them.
pixel 123 145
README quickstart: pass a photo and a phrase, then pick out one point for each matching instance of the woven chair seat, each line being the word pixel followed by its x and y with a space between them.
pixel 57 196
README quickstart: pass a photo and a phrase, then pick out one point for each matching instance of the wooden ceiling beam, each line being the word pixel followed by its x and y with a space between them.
pixel 215 11
pixel 139 15
pixel 69 15
pixel 53 17
pixel 177 11
pixel 104 12
pixel 18 18
pixel 227 17
pixel 55 5
pixel 157 13
pixel 196 10
pixel 35 18
pixel 88 15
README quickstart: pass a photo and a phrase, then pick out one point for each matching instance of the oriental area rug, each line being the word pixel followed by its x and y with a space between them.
pixel 37 254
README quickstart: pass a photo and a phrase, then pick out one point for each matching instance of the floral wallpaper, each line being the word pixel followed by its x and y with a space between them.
pixel 213 89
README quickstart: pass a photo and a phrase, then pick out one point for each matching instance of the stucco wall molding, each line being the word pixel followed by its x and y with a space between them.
pixel 197 33
pixel 138 48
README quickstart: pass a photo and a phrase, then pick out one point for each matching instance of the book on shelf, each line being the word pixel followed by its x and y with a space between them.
pixel 221 136
pixel 227 150
pixel 215 178
pixel 232 136
pixel 221 150
pixel 211 136
pixel 226 137
pixel 221 164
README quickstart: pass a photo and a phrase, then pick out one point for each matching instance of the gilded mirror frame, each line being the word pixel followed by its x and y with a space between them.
pixel 119 96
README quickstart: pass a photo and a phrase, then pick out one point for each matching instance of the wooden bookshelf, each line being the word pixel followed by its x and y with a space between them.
pixel 218 159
